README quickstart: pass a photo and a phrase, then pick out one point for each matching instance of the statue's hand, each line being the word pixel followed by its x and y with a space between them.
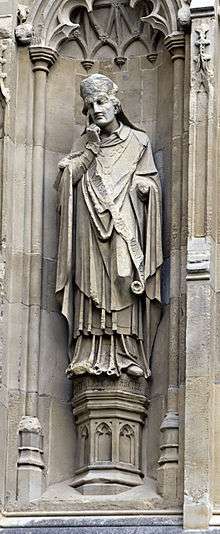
pixel 63 163
pixel 143 190
pixel 93 139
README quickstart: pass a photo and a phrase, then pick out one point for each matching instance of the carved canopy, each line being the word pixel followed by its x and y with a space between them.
pixel 94 23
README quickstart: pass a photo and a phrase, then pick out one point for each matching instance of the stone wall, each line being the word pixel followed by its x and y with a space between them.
pixel 170 90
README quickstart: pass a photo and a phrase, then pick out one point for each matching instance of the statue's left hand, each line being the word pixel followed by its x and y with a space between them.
pixel 143 190
pixel 64 162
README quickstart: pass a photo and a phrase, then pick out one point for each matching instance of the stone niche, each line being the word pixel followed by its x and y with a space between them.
pixel 137 61
pixel 118 40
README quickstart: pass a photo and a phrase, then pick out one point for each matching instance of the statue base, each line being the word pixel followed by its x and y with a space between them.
pixel 109 415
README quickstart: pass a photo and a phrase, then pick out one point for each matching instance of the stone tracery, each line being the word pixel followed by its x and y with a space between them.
pixel 56 20
pixel 115 26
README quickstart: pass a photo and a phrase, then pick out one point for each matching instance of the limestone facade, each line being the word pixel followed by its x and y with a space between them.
pixel 164 58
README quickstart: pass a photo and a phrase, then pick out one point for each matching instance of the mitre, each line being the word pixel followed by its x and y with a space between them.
pixel 99 83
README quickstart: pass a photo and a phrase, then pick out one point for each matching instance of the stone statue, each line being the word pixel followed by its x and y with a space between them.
pixel 110 250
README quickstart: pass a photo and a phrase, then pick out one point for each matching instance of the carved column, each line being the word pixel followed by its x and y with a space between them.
pixel 201 297
pixel 168 470
pixel 109 416
pixel 30 464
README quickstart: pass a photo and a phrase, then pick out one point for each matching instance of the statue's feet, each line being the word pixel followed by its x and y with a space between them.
pixel 79 369
pixel 134 370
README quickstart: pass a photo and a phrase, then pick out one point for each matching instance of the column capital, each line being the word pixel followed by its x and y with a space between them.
pixel 175 44
pixel 42 57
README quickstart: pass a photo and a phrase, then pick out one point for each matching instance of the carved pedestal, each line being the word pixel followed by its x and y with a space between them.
pixel 109 415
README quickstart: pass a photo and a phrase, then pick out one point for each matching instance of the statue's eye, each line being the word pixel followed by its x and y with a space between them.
pixel 99 102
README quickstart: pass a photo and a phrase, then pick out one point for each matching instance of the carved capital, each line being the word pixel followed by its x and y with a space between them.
pixel 175 44
pixel 42 57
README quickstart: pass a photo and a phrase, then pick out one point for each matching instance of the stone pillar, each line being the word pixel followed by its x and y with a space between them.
pixel 200 331
pixel 42 59
pixel 30 464
pixel 168 461
pixel 109 416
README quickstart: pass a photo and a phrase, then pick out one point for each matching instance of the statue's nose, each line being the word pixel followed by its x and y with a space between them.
pixel 96 107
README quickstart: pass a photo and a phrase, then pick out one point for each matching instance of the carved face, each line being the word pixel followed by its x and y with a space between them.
pixel 101 109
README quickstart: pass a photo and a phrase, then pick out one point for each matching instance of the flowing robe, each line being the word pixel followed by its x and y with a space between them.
pixel 110 235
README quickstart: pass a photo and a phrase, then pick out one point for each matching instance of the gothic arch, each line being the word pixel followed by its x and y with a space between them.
pixel 52 24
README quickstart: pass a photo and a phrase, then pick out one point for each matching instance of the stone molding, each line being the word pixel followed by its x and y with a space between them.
pixel 175 44
pixel 169 449
pixel 140 522
pixel 202 8
pixel 198 260
pixel 42 57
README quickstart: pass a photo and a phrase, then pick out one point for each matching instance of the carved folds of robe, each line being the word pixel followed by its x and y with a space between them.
pixel 110 236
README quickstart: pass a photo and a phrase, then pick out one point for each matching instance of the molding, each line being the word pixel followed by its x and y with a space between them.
pixel 53 514
pixel 202 8
pixel 127 520
pixel 169 446
pixel 42 57
pixel 175 44
pixel 198 259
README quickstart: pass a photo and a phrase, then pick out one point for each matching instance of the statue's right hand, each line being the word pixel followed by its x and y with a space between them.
pixel 93 132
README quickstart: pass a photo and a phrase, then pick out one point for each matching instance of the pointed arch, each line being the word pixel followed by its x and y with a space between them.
pixel 52 22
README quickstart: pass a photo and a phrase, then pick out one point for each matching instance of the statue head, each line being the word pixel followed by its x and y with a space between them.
pixel 100 101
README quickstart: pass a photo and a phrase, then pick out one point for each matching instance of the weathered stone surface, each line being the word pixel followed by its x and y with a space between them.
pixel 106 524
pixel 109 420
pixel 179 110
